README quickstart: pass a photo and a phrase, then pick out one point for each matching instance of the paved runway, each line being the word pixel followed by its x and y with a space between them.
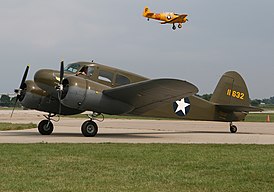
pixel 137 131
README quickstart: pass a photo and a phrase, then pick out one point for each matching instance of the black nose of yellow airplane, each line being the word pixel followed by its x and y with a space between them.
pixel 47 80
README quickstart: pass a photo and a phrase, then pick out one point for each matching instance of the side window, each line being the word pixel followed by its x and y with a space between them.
pixel 121 80
pixel 105 76
pixel 90 71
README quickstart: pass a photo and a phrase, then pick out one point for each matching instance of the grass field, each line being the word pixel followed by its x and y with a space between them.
pixel 136 167
pixel 14 126
pixel 259 117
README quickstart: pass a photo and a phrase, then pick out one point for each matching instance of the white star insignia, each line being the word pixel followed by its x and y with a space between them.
pixel 182 106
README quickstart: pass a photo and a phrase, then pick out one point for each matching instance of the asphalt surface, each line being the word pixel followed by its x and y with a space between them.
pixel 67 130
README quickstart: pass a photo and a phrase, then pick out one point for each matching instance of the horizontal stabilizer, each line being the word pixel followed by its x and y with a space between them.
pixel 149 94
pixel 235 108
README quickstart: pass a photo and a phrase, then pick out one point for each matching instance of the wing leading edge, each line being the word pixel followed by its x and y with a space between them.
pixel 149 94
pixel 178 19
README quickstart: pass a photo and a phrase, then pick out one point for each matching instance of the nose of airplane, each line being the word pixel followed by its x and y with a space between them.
pixel 47 80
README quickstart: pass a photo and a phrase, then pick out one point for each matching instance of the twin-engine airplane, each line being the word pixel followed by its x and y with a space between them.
pixel 88 86
pixel 167 17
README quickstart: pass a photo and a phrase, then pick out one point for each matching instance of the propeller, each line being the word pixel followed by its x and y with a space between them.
pixel 21 87
pixel 59 88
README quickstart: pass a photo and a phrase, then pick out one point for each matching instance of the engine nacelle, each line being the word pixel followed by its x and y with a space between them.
pixel 32 97
pixel 86 95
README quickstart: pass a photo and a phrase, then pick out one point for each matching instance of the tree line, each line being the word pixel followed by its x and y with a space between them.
pixel 7 101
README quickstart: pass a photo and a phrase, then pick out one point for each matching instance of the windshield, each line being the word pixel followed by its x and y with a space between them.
pixel 73 68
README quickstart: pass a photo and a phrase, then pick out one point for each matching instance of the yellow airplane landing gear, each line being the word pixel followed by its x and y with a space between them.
pixel 173 26
pixel 180 25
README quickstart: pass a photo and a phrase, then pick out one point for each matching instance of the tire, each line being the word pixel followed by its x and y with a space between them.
pixel 89 128
pixel 233 129
pixel 45 127
pixel 174 27
pixel 180 26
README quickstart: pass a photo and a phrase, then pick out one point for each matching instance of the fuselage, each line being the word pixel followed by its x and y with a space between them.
pixel 105 77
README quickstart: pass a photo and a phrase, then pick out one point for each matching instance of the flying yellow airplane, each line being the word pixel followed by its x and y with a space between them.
pixel 167 17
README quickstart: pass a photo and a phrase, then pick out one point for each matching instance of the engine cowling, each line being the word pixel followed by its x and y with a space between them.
pixel 86 95
pixel 32 97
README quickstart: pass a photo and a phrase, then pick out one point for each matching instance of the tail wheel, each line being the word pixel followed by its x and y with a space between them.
pixel 233 129
pixel 45 127
pixel 89 128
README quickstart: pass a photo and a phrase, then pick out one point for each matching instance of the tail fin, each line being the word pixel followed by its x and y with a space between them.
pixel 231 90
pixel 146 11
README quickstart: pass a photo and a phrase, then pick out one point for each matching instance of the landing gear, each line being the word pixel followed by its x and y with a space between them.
pixel 45 127
pixel 180 25
pixel 89 128
pixel 233 128
pixel 173 27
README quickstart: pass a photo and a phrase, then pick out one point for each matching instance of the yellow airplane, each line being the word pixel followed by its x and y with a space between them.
pixel 167 17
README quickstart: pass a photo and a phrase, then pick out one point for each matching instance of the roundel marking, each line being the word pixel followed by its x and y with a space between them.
pixel 181 107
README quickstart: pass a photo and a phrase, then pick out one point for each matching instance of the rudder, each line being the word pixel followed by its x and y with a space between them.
pixel 231 90
pixel 146 11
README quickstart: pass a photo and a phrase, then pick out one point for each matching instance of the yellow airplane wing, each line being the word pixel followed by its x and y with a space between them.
pixel 179 19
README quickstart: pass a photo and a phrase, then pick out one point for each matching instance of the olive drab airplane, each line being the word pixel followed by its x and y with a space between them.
pixel 88 86
pixel 167 17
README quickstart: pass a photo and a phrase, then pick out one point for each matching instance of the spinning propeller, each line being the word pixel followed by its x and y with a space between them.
pixel 19 92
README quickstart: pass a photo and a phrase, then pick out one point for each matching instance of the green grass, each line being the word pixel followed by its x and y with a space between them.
pixel 259 117
pixel 136 167
pixel 13 126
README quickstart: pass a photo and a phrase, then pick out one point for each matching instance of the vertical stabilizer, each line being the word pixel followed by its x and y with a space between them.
pixel 231 90
pixel 146 11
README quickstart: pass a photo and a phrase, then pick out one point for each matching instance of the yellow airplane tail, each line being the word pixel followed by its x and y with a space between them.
pixel 146 11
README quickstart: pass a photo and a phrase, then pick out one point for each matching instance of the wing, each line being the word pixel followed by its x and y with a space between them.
pixel 149 94
pixel 178 19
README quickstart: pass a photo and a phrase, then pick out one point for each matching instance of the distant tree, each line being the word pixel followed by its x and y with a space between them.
pixel 5 101
pixel 205 96
pixel 271 100
pixel 256 102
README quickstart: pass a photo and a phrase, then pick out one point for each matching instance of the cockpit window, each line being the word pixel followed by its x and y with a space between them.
pixel 73 68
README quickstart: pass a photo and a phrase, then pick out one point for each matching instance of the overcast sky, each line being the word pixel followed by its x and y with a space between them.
pixel 220 36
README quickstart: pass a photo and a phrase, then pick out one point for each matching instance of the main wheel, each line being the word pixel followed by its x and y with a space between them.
pixel 45 127
pixel 173 27
pixel 89 128
pixel 180 25
pixel 233 129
